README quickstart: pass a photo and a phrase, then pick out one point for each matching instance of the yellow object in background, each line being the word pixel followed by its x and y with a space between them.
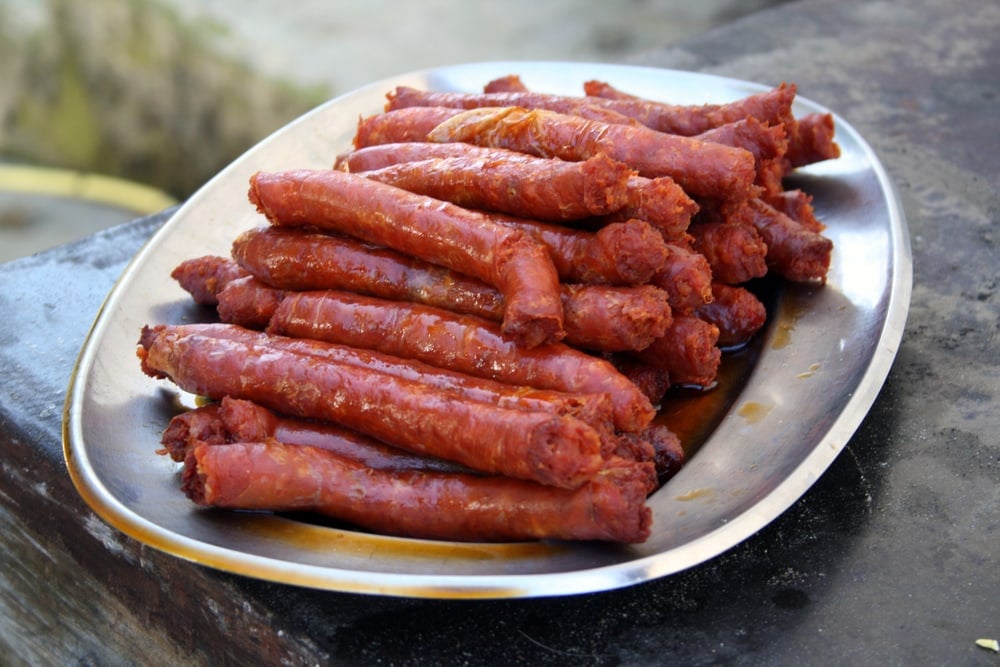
pixel 42 207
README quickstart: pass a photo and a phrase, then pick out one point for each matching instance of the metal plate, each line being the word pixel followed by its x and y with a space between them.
pixel 823 359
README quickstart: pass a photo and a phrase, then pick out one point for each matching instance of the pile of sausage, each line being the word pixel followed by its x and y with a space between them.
pixel 462 329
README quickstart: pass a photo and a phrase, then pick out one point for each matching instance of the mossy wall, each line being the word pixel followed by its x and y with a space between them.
pixel 128 89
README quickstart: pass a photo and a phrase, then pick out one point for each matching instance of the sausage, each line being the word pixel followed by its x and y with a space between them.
pixel 420 504
pixel 736 312
pixel 688 352
pixel 460 343
pixel 245 421
pixel 660 202
pixel 793 251
pixel 203 277
pixel 403 125
pixel 773 107
pixel 594 409
pixel 653 382
pixel 298 259
pixel 248 302
pixel 406 97
pixel 735 252
pixel 668 453
pixel 663 447
pixel 686 277
pixel 604 90
pixel 509 83
pixel 550 449
pixel 812 141
pixel 797 205
pixel 518 184
pixel 200 425
pixel 702 168
pixel 378 156
pixel 236 420
pixel 615 319
pixel 767 143
pixel 596 317
pixel 619 253
pixel 465 241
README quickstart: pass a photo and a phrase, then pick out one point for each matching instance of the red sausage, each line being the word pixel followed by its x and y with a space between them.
pixel 619 253
pixel 248 302
pixel 794 252
pixel 596 317
pixel 297 259
pixel 702 168
pixel 509 83
pixel 378 156
pixel 736 312
pixel 551 449
pixel 660 202
pixel 460 343
pixel 203 277
pixel 686 277
pixel 403 125
pixel 592 408
pixel 436 231
pixel 518 184
pixel 772 106
pixel 812 141
pixel 687 352
pixel 735 252
pixel 615 319
pixel 444 506
pixel 405 97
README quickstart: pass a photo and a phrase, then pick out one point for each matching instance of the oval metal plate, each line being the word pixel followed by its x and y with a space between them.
pixel 825 355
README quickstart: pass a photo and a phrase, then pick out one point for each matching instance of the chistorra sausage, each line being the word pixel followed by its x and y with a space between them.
pixel 551 449
pixel 597 317
pixel 686 277
pixel 736 312
pixel 623 253
pixel 203 277
pixel 466 241
pixel 461 343
pixel 248 302
pixel 592 408
pixel 447 506
pixel 794 251
pixel 405 97
pixel 299 259
pixel 238 420
pixel 659 201
pixel 399 126
pixel 619 253
pixel 702 168
pixel 735 252
pixel 518 184
pixel 773 106
pixel 688 352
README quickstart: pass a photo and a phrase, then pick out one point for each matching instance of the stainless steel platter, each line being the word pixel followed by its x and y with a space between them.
pixel 823 359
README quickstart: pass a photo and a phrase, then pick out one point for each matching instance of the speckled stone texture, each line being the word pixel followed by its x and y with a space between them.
pixel 890 558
